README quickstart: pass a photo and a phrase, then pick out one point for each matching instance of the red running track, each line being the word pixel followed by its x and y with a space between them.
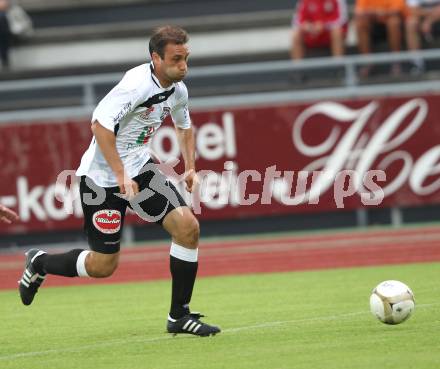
pixel 263 255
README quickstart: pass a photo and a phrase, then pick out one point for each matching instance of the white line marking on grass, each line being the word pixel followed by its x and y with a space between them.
pixel 282 322
pixel 84 347
pixel 168 337
pixel 305 320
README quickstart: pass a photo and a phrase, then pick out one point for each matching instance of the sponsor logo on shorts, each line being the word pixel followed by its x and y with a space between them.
pixel 107 221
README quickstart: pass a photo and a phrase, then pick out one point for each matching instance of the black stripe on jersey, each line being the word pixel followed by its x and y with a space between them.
pixel 157 99
pixel 116 129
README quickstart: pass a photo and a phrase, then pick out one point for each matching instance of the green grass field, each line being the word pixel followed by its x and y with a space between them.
pixel 315 319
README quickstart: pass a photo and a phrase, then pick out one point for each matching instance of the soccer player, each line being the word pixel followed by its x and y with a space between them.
pixel 117 171
pixel 7 215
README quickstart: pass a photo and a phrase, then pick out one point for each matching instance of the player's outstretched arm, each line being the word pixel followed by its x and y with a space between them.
pixel 7 215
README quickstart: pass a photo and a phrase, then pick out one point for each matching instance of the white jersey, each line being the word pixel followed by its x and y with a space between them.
pixel 134 110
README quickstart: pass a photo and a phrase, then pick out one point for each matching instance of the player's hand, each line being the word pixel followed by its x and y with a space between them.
pixel 127 187
pixel 191 180
pixel 7 215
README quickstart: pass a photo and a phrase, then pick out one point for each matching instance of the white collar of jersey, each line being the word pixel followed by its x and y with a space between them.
pixel 156 80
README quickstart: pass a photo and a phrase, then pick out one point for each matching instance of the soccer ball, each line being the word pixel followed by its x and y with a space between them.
pixel 392 302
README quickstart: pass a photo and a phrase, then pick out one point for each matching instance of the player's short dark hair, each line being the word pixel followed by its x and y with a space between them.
pixel 165 35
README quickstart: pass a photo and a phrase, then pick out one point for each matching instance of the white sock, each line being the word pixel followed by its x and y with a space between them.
pixel 81 264
pixel 183 253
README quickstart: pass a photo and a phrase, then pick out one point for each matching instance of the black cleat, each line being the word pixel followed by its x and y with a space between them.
pixel 30 280
pixel 191 324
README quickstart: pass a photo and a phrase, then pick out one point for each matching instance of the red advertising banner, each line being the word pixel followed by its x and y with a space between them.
pixel 252 161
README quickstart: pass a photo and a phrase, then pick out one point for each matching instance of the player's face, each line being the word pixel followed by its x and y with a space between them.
pixel 173 67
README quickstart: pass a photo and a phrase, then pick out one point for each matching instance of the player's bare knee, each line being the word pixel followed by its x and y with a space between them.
pixel 102 265
pixel 188 231
pixel 194 232
pixel 106 270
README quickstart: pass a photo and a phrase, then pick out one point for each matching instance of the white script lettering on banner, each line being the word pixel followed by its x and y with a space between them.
pixel 359 150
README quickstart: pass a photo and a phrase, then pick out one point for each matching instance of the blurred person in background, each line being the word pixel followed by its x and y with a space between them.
pixel 317 24
pixel 422 14
pixel 5 34
pixel 7 215
pixel 390 13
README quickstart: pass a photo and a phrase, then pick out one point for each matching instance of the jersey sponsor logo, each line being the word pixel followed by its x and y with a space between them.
pixel 143 138
pixel 145 135
pixel 165 112
pixel 107 221
pixel 146 114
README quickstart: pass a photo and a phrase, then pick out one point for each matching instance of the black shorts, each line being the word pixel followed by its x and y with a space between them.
pixel 104 211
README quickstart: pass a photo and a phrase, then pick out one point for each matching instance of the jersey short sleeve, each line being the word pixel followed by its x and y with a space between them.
pixel 115 106
pixel 180 112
